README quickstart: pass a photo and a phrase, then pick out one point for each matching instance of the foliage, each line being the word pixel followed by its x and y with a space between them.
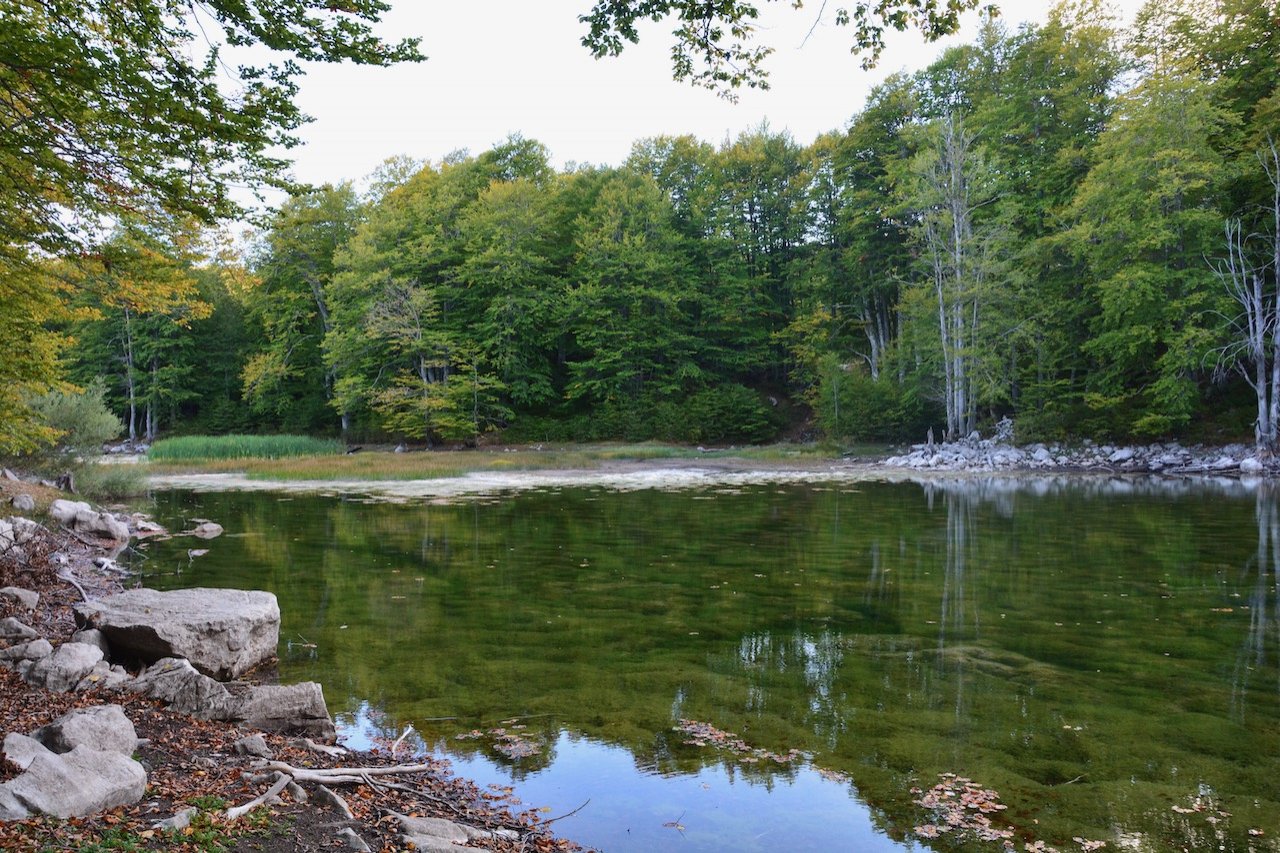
pixel 853 406
pixel 713 40
pixel 131 112
pixel 81 418
pixel 111 481
pixel 198 447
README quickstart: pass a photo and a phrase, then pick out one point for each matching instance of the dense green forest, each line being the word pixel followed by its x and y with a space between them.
pixel 1069 224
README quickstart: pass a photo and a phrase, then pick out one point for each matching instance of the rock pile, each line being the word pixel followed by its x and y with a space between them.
pixel 975 454
pixel 194 640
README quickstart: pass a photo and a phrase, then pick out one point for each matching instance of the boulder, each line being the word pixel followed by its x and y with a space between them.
pixel 20 750
pixel 62 670
pixel 1124 454
pixel 104 676
pixel 7 536
pixel 11 629
pixel 93 637
pixel 176 682
pixel 82 518
pixel 27 598
pixel 10 808
pixel 223 632
pixel 438 835
pixel 33 650
pixel 1248 465
pixel 255 745
pixel 101 727
pixel 294 708
pixel 207 530
pixel 23 503
pixel 82 782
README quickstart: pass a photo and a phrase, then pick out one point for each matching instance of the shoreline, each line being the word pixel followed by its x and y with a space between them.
pixel 195 765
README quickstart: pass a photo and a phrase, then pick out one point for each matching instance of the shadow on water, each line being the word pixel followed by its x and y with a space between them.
pixel 1103 653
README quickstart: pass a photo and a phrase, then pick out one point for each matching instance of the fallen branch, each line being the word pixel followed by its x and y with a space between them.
pixel 396 745
pixel 345 775
pixel 308 743
pixel 66 576
pixel 282 781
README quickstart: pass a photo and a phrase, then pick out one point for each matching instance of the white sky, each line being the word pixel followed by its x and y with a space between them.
pixel 496 67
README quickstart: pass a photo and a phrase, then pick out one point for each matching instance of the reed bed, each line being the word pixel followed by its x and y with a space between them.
pixel 198 448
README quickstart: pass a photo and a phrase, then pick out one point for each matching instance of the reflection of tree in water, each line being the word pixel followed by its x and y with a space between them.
pixel 1264 625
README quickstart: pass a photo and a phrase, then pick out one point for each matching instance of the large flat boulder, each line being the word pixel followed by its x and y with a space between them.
pixel 297 708
pixel 223 632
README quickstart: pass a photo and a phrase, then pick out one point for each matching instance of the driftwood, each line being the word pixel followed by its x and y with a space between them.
pixel 282 782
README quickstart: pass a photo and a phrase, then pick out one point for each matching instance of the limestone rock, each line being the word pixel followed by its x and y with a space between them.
pixel 93 637
pixel 23 503
pixel 11 629
pixel 442 836
pixel 353 840
pixel 32 651
pixel 223 632
pixel 62 670
pixel 79 516
pixel 20 750
pixel 101 726
pixel 252 745
pixel 176 682
pixel 179 821
pixel 10 808
pixel 104 676
pixel 82 782
pixel 1248 465
pixel 27 598
pixel 296 708
pixel 207 530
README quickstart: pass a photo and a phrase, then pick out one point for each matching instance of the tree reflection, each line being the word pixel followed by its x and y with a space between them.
pixel 1264 598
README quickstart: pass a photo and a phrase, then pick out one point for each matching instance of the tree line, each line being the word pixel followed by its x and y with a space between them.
pixel 1066 223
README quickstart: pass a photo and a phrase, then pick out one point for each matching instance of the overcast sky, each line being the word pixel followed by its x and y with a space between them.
pixel 496 67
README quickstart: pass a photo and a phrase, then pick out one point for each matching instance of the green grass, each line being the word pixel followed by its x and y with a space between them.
pixel 438 464
pixel 111 481
pixel 214 447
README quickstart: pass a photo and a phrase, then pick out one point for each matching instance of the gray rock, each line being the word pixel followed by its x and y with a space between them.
pixel 62 670
pixel 441 836
pixel 20 750
pixel 1248 465
pixel 93 637
pixel 10 808
pixel 353 840
pixel 176 682
pixel 207 530
pixel 23 503
pixel 82 782
pixel 101 727
pixel 82 518
pixel 104 676
pixel 223 632
pixel 32 651
pixel 252 745
pixel 27 598
pixel 1124 454
pixel 294 708
pixel 11 629
pixel 178 822
pixel 1042 455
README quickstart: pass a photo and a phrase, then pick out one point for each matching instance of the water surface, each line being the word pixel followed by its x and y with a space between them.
pixel 1101 654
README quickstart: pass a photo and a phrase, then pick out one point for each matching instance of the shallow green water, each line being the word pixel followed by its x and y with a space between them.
pixel 1102 655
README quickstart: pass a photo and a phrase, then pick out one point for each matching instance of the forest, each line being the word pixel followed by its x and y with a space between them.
pixel 1070 224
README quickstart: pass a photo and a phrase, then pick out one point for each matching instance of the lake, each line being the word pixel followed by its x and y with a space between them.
pixel 773 666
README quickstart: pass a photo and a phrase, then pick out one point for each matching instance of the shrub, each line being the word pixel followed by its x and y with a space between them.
pixel 82 418
pixel 850 405
pixel 105 482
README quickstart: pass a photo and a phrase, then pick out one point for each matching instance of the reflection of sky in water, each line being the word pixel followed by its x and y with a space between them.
pixel 630 810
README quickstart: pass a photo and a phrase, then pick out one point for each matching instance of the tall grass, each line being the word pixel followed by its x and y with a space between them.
pixel 191 448
pixel 107 482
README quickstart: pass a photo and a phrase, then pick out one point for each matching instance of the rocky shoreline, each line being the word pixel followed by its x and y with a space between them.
pixel 1171 458
pixel 83 660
